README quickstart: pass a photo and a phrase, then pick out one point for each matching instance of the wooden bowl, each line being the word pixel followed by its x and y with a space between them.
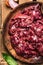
pixel 6 37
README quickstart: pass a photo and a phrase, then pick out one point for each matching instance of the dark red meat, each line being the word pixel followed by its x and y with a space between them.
pixel 26 32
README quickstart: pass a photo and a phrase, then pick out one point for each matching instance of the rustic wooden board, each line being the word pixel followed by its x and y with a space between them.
pixel 5 12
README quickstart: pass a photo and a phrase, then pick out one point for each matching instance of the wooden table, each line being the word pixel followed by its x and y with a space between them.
pixel 5 12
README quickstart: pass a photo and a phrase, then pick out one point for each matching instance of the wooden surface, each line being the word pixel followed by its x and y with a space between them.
pixel 5 12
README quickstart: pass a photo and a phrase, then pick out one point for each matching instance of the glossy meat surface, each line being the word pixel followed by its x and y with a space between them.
pixel 26 32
